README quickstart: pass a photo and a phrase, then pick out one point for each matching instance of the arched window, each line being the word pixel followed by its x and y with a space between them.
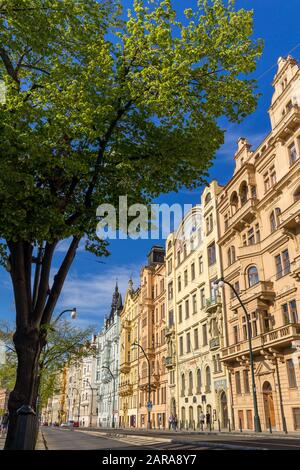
pixel 207 198
pixel 243 193
pixel 234 202
pixel 253 277
pixel 182 385
pixel 169 245
pixel 274 219
pixel 208 379
pixel 297 194
pixel 199 384
pixel 191 383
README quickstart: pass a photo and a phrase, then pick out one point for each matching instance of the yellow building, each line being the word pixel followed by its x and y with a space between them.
pixel 259 212
pixel 128 379
pixel 197 379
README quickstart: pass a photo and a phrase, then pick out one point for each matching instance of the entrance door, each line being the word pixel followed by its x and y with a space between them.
pixel 224 410
pixel 269 405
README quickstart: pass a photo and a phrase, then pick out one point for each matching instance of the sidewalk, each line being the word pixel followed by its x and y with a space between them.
pixel 40 445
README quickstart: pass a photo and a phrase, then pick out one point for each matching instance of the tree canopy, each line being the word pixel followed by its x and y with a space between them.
pixel 101 102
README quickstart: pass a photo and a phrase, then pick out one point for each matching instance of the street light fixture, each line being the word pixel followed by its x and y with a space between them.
pixel 114 395
pixel 221 283
pixel 136 344
pixel 73 314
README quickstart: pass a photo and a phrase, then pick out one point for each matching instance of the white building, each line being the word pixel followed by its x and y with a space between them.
pixel 107 365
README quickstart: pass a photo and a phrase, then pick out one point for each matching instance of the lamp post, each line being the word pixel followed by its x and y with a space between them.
pixel 114 395
pixel 220 283
pixel 79 404
pixel 136 344
pixel 73 315
pixel 92 401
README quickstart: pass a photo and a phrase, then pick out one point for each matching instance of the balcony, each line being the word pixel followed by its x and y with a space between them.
pixel 125 389
pixel 214 343
pixel 243 215
pixel 279 338
pixel 170 362
pixel 263 292
pixel 290 219
pixel 170 330
pixel 295 268
pixel 125 367
pixel 249 250
pixel 212 304
pixel 288 124
pixel 126 324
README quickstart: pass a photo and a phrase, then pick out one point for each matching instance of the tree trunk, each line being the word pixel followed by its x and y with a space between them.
pixel 28 347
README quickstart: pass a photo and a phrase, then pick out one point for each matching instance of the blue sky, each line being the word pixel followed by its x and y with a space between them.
pixel 90 282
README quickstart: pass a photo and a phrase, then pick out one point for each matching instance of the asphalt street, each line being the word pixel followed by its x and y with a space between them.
pixel 69 439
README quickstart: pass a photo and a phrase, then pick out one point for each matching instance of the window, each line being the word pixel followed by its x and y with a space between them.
pixel 289 312
pixel 193 271
pixel 269 178
pixel 191 383
pixel 231 255
pixel 209 224
pixel 293 153
pixel 200 264
pixel 169 266
pixel 211 254
pixel 184 251
pixel 274 219
pixel 194 301
pixel 253 277
pixel 199 382
pixel 180 313
pixel 207 198
pixel 182 385
pixel 181 345
pixel 246 381
pixel 187 308
pixel 188 342
pixel 282 263
pixel 170 291
pixel 238 388
pixel 251 237
pixel 171 318
pixel 291 373
pixel 297 194
pixel 185 278
pixel 178 257
pixel 204 335
pixel 179 283
pixel 243 193
pixel 234 202
pixel 208 379
pixel 196 339
pixel 202 298
pixel 226 221
pixel 235 334
pixel 236 285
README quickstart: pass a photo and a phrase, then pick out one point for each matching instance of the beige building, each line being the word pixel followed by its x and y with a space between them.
pixel 152 323
pixel 259 212
pixel 197 380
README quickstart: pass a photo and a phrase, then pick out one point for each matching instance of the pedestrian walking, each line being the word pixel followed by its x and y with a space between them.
pixel 208 421
pixel 202 420
pixel 170 422
pixel 175 423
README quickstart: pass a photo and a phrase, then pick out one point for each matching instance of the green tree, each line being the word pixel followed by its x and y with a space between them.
pixel 66 345
pixel 102 103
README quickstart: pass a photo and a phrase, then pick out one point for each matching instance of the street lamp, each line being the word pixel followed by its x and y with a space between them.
pixel 220 283
pixel 114 395
pixel 92 401
pixel 72 311
pixel 136 344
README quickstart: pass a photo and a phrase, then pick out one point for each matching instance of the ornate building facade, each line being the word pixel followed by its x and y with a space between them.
pixel 259 213
pixel 197 380
pixel 107 365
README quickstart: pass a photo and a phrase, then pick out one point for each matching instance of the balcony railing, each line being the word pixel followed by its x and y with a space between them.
pixel 125 367
pixel 170 330
pixel 263 290
pixel 212 303
pixel 290 218
pixel 295 268
pixel 243 215
pixel 279 338
pixel 125 389
pixel 214 343
pixel 170 362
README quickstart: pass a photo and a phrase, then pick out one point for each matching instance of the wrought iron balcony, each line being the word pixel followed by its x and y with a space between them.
pixel 212 304
pixel 214 343
pixel 170 362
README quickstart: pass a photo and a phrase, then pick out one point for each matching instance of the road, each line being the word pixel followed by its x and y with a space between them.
pixel 66 439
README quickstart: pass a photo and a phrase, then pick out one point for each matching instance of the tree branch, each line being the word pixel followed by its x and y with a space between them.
pixel 44 281
pixel 9 66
